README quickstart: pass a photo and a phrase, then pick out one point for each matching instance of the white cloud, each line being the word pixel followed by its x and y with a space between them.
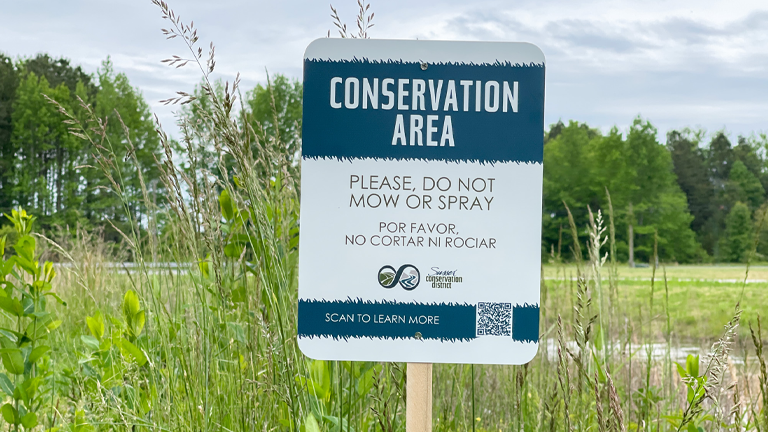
pixel 681 63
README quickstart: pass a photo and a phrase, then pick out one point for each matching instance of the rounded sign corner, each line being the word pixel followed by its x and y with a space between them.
pixel 531 352
pixel 313 49
pixel 538 52
pixel 306 349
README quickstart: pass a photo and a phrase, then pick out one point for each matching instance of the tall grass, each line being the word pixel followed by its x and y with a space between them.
pixel 219 352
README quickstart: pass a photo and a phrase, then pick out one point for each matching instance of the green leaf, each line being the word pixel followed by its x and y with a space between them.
pixel 37 286
pixel 29 420
pixel 91 342
pixel 13 360
pixel 310 424
pixel 6 385
pixel 31 386
pixel 692 365
pixel 25 247
pixel 131 304
pixel 599 339
pixel 48 271
pixel 12 306
pixel 320 378
pixel 38 352
pixel 238 331
pixel 28 304
pixel 6 267
pixel 239 294
pixel 138 323
pixel 116 322
pixel 81 423
pixel 245 214
pixel 3 240
pixel 134 351
pixel 339 424
pixel 39 329
pixel 204 267
pixel 227 207
pixel 365 382
pixel 20 394
pixel 9 338
pixel 27 265
pixel 56 296
pixel 96 325
pixel 10 414
pixel 600 374
pixel 233 249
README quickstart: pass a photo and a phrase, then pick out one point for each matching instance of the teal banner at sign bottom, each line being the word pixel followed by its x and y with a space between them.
pixel 394 320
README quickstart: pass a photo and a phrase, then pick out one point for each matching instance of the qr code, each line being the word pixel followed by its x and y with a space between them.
pixel 494 319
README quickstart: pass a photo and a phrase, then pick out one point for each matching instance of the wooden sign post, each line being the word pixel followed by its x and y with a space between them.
pixel 418 393
pixel 421 198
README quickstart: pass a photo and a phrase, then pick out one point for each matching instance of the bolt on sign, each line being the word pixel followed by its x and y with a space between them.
pixel 421 192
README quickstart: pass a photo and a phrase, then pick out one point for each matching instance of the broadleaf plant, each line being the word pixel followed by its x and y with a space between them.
pixel 26 286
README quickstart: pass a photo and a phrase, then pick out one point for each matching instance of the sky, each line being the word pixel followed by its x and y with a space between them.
pixel 678 63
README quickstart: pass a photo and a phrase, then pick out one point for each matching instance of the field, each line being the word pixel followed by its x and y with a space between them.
pixel 701 297
pixel 721 272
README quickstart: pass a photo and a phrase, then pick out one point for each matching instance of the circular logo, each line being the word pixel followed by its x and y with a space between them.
pixel 407 276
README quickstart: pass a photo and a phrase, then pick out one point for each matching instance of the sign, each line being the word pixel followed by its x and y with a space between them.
pixel 421 190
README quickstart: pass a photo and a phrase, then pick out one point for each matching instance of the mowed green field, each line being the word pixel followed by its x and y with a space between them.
pixel 701 298
pixel 736 272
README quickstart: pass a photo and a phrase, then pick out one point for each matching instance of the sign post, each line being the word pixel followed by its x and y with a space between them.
pixel 418 390
pixel 421 205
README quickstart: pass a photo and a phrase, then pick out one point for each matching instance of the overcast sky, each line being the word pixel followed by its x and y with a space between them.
pixel 679 63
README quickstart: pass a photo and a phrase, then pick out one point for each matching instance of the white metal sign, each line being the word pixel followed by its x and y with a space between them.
pixel 421 201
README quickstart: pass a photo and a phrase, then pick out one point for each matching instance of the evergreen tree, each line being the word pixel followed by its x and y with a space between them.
pixel 44 165
pixel 554 131
pixel 60 71
pixel 9 80
pixel 43 143
pixel 738 240
pixel 750 151
pixel 747 153
pixel 690 167
pixel 720 158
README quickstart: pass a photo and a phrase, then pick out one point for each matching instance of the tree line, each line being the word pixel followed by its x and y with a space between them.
pixel 50 172
pixel 695 198
pixel 55 175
